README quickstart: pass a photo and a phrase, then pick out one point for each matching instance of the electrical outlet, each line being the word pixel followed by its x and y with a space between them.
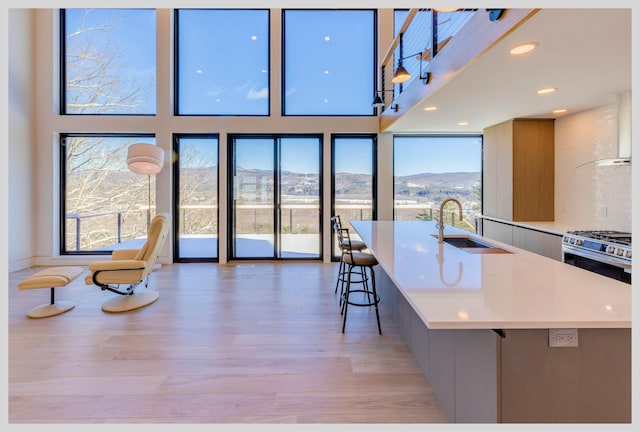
pixel 563 337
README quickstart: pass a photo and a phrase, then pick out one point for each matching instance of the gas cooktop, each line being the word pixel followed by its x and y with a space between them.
pixel 607 236
pixel 614 244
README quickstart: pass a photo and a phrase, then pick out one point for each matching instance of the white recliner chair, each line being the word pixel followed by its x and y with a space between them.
pixel 128 268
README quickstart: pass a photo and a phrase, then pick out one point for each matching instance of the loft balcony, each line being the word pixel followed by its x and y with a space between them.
pixel 434 47
pixel 475 82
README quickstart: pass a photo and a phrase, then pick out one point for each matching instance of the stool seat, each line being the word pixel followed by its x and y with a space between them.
pixel 360 259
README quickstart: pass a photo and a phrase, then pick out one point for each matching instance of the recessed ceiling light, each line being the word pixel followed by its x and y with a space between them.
pixel 559 111
pixel 546 90
pixel 327 38
pixel 463 123
pixel 254 37
pixel 430 108
pixel 523 48
pixel 326 72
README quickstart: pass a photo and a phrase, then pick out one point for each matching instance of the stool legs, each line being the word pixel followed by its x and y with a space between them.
pixel 372 295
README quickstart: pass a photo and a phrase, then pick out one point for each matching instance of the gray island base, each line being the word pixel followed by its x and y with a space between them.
pixel 500 367
pixel 513 376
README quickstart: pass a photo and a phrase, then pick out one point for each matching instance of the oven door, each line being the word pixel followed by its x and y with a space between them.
pixel 597 263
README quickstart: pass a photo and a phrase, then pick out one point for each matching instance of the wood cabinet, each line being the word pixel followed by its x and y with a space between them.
pixel 518 171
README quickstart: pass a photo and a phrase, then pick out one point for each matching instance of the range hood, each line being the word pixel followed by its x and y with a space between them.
pixel 623 102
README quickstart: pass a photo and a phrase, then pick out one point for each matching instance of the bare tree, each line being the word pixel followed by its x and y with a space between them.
pixel 97 80
pixel 100 193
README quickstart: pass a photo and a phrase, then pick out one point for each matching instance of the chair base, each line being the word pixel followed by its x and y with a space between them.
pixel 130 302
pixel 48 309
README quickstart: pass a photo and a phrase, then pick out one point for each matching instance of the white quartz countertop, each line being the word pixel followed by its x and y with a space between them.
pixel 451 288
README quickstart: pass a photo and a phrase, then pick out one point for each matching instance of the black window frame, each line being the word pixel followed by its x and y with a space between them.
pixel 62 159
pixel 393 162
pixel 374 170
pixel 230 192
pixel 374 66
pixel 176 63
pixel 62 93
pixel 175 194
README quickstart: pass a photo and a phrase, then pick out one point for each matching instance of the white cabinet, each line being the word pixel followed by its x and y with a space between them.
pixel 546 244
pixel 497 231
pixel 539 242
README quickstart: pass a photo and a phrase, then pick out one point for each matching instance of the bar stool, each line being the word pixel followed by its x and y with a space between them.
pixel 361 262
pixel 355 245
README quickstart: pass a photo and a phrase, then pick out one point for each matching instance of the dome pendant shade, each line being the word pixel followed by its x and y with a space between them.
pixel 143 158
pixel 401 75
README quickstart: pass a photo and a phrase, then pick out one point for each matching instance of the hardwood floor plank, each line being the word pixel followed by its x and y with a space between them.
pixel 243 344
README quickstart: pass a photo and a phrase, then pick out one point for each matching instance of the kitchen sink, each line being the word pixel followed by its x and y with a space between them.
pixel 470 244
pixel 463 242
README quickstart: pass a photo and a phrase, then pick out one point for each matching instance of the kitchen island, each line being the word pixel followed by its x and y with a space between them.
pixel 480 322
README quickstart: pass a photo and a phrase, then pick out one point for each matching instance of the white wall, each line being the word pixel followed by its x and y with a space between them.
pixel 22 177
pixel 590 197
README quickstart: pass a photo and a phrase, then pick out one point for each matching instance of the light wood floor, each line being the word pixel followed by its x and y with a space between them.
pixel 250 343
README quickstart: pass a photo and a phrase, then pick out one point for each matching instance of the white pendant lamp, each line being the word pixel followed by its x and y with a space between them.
pixel 144 158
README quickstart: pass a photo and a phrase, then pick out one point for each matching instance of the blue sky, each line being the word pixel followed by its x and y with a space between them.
pixel 224 69
pixel 414 155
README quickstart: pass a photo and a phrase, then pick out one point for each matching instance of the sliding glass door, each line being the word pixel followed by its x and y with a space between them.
pixel 275 197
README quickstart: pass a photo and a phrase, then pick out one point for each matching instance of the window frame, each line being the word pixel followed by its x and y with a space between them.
pixel 175 194
pixel 409 135
pixel 276 138
pixel 176 63
pixel 374 175
pixel 62 159
pixel 283 77
pixel 62 63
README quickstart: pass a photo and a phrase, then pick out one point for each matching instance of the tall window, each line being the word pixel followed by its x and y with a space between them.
pixel 429 169
pixel 353 178
pixel 329 62
pixel 196 197
pixel 105 206
pixel 109 61
pixel 222 62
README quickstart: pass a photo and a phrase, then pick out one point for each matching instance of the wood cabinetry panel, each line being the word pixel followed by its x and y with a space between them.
pixel 533 170
pixel 590 383
pixel 519 170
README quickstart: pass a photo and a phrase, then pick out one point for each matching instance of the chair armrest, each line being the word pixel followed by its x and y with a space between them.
pixel 124 254
pixel 117 265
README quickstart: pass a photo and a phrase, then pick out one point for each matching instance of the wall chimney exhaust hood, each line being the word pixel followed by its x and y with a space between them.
pixel 623 102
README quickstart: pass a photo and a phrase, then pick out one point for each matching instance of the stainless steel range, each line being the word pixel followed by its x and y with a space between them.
pixel 604 252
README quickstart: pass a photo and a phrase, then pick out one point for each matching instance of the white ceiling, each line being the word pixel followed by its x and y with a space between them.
pixel 585 53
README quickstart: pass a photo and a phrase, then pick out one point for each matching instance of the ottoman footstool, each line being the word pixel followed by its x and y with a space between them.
pixel 52 278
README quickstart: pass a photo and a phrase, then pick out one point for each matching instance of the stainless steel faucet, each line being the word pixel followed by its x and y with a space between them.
pixel 441 221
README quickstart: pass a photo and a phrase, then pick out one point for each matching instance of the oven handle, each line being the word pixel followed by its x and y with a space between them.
pixel 596 257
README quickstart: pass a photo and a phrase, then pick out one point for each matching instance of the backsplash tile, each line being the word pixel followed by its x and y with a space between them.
pixel 587 196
